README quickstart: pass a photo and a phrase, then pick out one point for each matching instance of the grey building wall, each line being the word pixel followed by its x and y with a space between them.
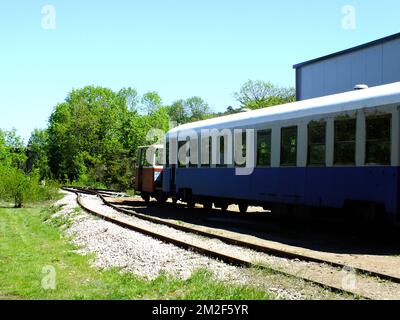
pixel 372 65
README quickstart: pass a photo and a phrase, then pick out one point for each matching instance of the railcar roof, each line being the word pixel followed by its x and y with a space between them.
pixel 342 102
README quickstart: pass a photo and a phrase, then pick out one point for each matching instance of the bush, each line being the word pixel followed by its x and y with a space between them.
pixel 48 190
pixel 88 181
pixel 14 185
pixel 20 188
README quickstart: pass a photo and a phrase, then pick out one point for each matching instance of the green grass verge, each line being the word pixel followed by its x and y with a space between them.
pixel 30 248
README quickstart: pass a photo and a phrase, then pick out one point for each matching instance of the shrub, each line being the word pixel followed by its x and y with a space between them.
pixel 20 188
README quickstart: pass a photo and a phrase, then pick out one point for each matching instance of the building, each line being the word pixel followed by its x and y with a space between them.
pixel 374 63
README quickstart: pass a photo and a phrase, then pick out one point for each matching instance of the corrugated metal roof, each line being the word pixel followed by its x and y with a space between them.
pixel 347 51
pixel 342 102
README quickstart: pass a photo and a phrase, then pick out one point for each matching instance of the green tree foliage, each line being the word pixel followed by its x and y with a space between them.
pixel 3 150
pixel 17 183
pixel 16 186
pixel 178 113
pixel 151 101
pixel 85 133
pixel 189 110
pixel 14 151
pixel 131 98
pixel 198 108
pixel 37 153
pixel 230 110
pixel 259 94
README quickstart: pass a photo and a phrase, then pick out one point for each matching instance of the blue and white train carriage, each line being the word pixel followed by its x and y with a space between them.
pixel 331 152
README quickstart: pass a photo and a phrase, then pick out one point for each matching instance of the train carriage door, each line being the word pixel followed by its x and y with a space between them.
pixel 172 154
pixel 139 170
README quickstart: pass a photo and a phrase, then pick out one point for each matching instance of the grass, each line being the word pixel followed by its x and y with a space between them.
pixel 31 248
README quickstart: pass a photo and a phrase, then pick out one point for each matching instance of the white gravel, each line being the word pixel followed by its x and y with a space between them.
pixel 144 256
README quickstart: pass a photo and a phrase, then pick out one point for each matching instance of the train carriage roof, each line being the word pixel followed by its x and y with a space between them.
pixel 342 102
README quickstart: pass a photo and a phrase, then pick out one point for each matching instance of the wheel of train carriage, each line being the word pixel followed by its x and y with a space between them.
pixel 161 198
pixel 145 197
pixel 207 206
pixel 190 204
pixel 224 207
pixel 243 207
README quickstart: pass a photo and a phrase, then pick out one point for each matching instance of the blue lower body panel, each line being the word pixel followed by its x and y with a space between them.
pixel 322 187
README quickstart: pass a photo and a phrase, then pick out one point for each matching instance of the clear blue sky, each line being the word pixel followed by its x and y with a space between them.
pixel 178 48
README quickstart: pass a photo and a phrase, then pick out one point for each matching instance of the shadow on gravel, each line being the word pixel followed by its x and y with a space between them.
pixel 333 235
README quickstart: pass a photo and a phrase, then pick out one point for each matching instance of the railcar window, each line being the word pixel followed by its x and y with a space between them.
pixel 182 160
pixel 144 156
pixel 167 154
pixel 193 153
pixel 222 156
pixel 206 159
pixel 316 143
pixel 289 146
pixel 243 150
pixel 345 141
pixel 378 140
pixel 158 157
pixel 142 160
pixel 264 148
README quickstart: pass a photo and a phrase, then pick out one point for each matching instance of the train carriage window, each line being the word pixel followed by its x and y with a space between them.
pixel 158 157
pixel 193 153
pixel 167 154
pixel 182 154
pixel 264 148
pixel 345 142
pixel 206 149
pixel 144 156
pixel 378 140
pixel 243 151
pixel 222 152
pixel 289 146
pixel 316 143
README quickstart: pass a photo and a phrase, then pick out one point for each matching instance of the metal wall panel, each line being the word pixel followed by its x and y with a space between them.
pixel 391 61
pixel 376 65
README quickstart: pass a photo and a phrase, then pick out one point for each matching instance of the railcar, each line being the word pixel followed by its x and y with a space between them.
pixel 338 151
pixel 149 171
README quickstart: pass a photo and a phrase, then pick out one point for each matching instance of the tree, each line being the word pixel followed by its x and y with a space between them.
pixel 37 153
pixel 16 186
pixel 230 110
pixel 12 149
pixel 178 113
pixel 3 151
pixel 259 94
pixel 189 110
pixel 151 102
pixel 197 108
pixel 130 97
pixel 85 131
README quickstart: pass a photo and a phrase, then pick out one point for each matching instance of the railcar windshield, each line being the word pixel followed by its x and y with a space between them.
pixel 151 156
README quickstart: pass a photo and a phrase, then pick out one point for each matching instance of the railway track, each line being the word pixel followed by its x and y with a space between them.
pixel 103 194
